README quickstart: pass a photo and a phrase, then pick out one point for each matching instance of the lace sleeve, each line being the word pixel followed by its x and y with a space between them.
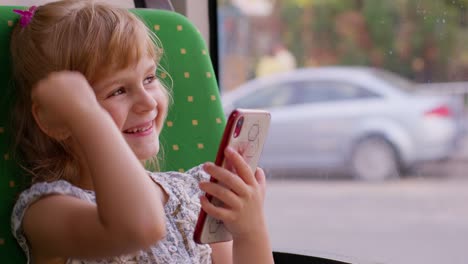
pixel 31 195
pixel 199 174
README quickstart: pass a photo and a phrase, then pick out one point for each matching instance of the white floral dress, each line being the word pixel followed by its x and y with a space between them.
pixel 181 211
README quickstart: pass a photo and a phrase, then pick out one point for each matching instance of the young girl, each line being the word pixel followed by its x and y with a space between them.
pixel 89 113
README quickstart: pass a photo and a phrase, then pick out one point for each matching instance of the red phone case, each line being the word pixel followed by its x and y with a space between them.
pixel 248 138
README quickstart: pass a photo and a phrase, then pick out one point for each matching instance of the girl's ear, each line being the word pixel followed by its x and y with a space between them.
pixel 35 110
pixel 47 126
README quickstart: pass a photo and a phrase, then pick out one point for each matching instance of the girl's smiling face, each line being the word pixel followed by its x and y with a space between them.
pixel 138 103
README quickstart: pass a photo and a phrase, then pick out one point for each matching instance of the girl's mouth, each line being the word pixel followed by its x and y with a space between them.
pixel 141 130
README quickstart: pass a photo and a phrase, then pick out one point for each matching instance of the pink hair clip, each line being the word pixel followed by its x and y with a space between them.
pixel 26 15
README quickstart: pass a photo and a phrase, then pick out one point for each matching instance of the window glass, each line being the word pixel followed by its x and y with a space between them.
pixel 381 181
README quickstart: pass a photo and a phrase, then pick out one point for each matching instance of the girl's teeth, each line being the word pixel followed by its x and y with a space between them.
pixel 135 130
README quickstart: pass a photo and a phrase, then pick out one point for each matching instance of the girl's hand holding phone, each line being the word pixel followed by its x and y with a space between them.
pixel 233 203
pixel 242 193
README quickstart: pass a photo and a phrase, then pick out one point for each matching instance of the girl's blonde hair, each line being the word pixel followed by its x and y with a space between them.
pixel 76 35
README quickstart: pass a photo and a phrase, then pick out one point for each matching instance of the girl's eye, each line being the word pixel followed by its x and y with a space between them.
pixel 149 79
pixel 117 92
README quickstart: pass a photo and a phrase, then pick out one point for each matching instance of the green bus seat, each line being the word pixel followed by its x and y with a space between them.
pixel 193 128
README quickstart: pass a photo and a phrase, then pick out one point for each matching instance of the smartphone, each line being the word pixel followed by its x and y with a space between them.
pixel 245 131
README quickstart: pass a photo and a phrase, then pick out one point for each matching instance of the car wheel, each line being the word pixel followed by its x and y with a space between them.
pixel 374 159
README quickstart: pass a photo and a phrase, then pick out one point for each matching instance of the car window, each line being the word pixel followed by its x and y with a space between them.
pixel 270 96
pixel 397 81
pixel 313 92
pixel 329 91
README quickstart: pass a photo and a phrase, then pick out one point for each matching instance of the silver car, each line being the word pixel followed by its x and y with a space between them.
pixel 367 122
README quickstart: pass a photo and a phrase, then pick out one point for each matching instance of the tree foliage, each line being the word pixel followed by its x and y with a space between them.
pixel 418 39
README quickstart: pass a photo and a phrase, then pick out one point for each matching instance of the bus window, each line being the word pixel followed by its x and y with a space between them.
pixel 359 177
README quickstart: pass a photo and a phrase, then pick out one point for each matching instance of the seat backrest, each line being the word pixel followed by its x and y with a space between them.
pixel 193 128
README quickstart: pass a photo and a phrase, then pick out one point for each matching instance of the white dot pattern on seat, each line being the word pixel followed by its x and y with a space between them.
pixel 189 76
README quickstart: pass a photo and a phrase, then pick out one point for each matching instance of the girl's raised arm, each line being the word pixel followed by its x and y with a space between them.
pixel 129 213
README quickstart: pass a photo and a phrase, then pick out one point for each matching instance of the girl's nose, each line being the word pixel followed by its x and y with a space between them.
pixel 144 101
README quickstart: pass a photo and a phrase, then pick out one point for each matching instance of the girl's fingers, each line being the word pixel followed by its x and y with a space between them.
pixel 227 178
pixel 228 166
pixel 260 176
pixel 230 199
pixel 261 179
pixel 216 212
pixel 241 167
